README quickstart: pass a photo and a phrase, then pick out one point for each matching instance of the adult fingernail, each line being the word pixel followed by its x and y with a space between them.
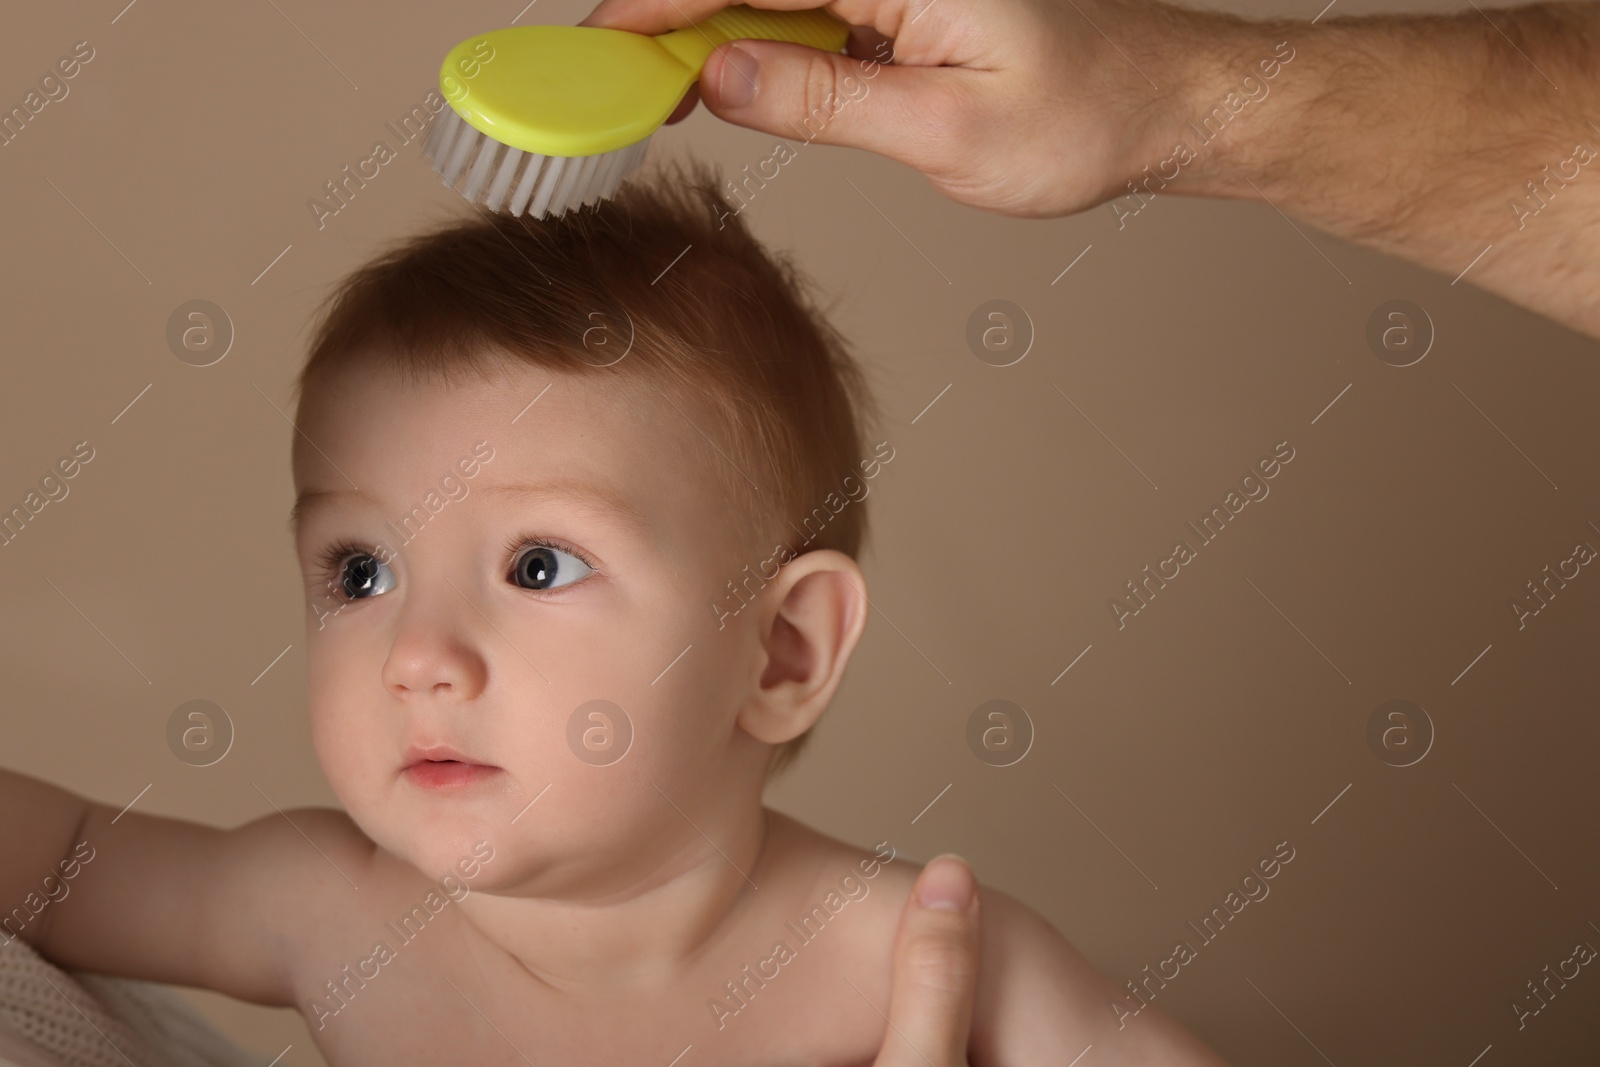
pixel 946 883
pixel 737 85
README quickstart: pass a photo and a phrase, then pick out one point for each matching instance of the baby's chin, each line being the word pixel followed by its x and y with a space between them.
pixel 465 847
pixel 435 838
pixel 491 861
pixel 523 860
pixel 512 848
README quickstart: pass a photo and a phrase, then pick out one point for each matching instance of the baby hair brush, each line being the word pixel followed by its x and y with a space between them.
pixel 549 118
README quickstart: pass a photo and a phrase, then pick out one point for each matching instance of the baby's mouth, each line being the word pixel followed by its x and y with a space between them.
pixel 448 774
pixel 441 768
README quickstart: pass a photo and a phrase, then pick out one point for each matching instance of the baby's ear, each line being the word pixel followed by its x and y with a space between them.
pixel 819 608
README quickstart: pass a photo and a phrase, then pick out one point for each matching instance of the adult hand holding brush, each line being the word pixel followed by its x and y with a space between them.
pixel 1443 139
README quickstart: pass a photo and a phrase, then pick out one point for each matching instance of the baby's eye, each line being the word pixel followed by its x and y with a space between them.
pixel 362 577
pixel 548 567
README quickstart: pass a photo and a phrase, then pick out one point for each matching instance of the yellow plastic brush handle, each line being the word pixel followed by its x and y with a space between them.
pixel 815 27
pixel 583 90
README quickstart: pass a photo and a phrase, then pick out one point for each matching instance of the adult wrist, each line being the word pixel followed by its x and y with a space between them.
pixel 1237 89
pixel 1159 52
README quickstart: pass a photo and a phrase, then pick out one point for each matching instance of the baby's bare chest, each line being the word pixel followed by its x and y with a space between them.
pixel 439 997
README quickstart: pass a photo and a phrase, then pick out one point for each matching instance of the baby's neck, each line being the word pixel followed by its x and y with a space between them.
pixel 649 932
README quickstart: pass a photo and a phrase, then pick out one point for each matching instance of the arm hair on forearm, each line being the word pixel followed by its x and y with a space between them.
pixel 1429 137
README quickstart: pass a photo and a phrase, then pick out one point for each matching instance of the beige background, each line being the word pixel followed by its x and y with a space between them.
pixel 1223 720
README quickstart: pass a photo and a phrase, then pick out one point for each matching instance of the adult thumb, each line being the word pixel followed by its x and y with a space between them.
pixel 935 970
pixel 797 92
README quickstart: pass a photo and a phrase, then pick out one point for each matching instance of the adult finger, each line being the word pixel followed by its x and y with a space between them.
pixel 659 16
pixel 867 43
pixel 935 970
pixel 909 114
pixel 864 43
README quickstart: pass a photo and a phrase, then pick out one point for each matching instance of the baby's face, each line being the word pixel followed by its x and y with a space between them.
pixel 503 566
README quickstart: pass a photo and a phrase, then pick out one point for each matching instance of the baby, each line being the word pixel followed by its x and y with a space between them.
pixel 578 506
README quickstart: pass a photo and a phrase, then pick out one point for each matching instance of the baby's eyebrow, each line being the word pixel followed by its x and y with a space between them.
pixel 583 494
pixel 586 495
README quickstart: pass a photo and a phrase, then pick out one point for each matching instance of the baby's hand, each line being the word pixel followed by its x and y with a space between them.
pixel 935 970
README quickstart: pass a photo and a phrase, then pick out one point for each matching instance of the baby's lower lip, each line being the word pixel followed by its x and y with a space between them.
pixel 448 774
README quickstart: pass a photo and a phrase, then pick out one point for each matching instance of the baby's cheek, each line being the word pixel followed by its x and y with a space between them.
pixel 348 765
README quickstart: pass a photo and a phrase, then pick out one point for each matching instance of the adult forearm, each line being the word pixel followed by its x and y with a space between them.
pixel 1469 143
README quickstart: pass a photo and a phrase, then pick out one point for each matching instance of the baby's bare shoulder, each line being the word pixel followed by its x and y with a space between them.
pixel 856 873
pixel 315 848
pixel 1036 995
pixel 329 871
pixel 311 875
pixel 299 872
pixel 863 887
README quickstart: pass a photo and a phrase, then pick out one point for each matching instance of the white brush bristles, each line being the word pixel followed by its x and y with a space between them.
pixel 512 181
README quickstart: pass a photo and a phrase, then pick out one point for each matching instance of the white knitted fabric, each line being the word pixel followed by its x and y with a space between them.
pixel 52 1018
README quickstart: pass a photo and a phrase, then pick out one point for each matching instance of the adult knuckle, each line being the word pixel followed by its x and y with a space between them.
pixel 820 94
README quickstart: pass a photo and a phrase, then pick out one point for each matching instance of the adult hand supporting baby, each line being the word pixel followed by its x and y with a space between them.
pixel 935 970
pixel 1431 137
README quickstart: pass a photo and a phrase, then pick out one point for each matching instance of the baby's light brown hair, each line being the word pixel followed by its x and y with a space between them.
pixel 667 273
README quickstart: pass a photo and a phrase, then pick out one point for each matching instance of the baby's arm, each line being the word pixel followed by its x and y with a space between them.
pixel 167 900
pixel 1040 1001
